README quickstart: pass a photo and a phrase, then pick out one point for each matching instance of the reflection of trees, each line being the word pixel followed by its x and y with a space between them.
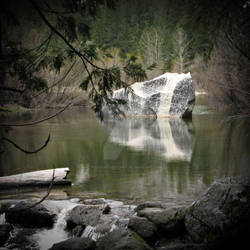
pixel 124 170
pixel 221 149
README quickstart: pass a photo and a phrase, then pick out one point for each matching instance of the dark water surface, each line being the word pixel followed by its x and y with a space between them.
pixel 137 159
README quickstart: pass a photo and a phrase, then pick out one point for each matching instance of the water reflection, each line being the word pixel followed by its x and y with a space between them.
pixel 142 159
pixel 170 138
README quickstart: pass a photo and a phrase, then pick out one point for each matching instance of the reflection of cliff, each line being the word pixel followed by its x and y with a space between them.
pixel 169 138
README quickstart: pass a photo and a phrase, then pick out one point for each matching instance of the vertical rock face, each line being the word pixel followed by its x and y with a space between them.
pixel 170 94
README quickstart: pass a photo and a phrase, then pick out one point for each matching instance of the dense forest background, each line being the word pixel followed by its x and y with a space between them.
pixel 52 50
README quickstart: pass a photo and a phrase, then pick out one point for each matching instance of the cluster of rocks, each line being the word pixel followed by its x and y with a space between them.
pixel 219 219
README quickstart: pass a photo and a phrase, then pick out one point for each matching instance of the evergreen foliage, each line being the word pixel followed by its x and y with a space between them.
pixel 158 36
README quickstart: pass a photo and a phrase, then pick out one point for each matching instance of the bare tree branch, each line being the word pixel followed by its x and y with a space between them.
pixel 39 121
pixel 12 89
pixel 48 192
pixel 24 150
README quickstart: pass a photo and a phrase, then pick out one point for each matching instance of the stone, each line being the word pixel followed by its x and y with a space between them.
pixel 21 238
pixel 170 219
pixel 142 226
pixel 221 217
pixel 121 239
pixel 98 201
pixel 85 215
pixel 78 230
pixel 75 244
pixel 24 214
pixel 170 94
pixel 5 233
pixel 148 204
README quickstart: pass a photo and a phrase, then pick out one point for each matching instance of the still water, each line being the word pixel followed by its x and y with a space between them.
pixel 136 159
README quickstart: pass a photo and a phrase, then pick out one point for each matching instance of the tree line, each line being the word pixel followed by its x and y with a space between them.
pixel 110 44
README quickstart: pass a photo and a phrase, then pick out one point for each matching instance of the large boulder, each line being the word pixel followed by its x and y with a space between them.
pixel 26 214
pixel 221 217
pixel 170 94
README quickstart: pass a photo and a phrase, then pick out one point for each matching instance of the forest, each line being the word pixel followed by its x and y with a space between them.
pixel 57 52
pixel 171 173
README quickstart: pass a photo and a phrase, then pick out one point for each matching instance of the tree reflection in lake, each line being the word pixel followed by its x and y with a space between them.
pixel 144 159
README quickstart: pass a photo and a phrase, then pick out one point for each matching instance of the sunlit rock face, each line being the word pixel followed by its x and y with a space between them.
pixel 170 94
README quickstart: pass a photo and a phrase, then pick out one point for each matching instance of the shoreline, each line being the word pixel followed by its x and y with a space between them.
pixel 205 224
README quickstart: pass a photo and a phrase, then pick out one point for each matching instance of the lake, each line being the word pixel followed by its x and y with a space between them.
pixel 134 160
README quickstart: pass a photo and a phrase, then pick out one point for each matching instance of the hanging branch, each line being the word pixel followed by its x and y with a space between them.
pixel 36 7
pixel 49 190
pixel 58 82
pixel 24 150
pixel 36 122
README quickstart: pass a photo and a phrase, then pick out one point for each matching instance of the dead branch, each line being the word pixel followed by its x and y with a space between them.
pixel 39 121
pixel 48 192
pixel 24 150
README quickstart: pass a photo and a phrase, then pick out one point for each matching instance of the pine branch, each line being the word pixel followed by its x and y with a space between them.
pixel 36 7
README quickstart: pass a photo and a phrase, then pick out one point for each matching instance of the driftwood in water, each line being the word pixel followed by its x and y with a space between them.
pixel 36 178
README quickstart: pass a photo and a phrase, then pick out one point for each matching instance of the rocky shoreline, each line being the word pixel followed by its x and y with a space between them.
pixel 219 219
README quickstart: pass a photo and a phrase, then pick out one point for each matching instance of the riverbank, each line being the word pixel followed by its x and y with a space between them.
pixel 219 219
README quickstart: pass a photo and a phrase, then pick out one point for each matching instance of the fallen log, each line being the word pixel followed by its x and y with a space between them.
pixel 36 178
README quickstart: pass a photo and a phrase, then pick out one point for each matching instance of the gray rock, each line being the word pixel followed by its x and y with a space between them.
pixel 142 226
pixel 121 239
pixel 182 246
pixel 148 204
pixel 21 238
pixel 171 219
pixel 221 217
pixel 170 94
pixel 75 244
pixel 99 201
pixel 85 215
pixel 24 214
pixel 5 233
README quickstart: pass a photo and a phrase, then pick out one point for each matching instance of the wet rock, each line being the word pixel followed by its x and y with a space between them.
pixel 179 245
pixel 85 215
pixel 148 204
pixel 142 226
pixel 99 201
pixel 5 233
pixel 24 214
pixel 221 217
pixel 121 239
pixel 21 239
pixel 78 230
pixel 170 219
pixel 75 244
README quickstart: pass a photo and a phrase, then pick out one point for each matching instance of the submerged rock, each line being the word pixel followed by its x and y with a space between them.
pixel 221 217
pixel 74 244
pixel 170 94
